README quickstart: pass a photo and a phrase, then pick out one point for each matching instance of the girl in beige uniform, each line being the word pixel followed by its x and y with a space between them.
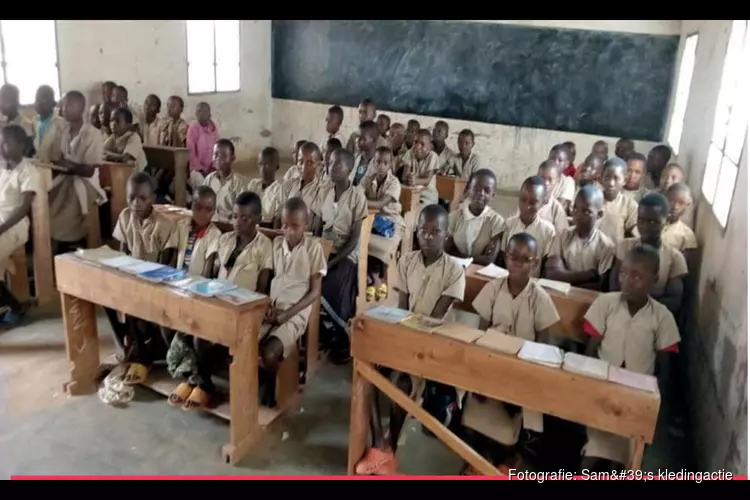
pixel 124 145
pixel 420 166
pixel 226 183
pixel 307 185
pixel 267 187
pixel 562 188
pixel 620 211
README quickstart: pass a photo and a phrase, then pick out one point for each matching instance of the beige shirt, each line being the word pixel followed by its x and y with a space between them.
pixel 632 341
pixel 339 217
pixel 270 197
pixel 145 239
pixel 523 316
pixel 472 233
pixel 676 235
pixel 553 212
pixel 338 135
pixel 255 257
pixel 24 178
pixel 597 252
pixel 367 169
pixel 445 160
pixel 173 133
pixel 293 269
pixel 542 231
pixel 462 168
pixel 671 262
pixel 48 148
pixel 389 189
pixel 620 216
pixel 564 190
pixel 352 146
pixel 202 248
pixel 87 148
pixel 425 285
pixel 637 194
pixel 423 168
pixel 24 123
pixel 150 131
pixel 226 191
pixel 310 193
pixel 129 143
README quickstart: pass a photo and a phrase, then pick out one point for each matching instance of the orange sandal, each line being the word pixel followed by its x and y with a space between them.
pixel 198 400
pixel 136 374
pixel 377 462
pixel 180 394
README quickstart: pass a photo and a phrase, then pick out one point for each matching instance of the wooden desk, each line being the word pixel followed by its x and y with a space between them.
pixel 82 286
pixel 364 241
pixel 115 177
pixel 571 307
pixel 410 210
pixel 451 188
pixel 176 160
pixel 591 402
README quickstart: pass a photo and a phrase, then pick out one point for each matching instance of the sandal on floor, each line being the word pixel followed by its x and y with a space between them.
pixel 197 401
pixel 180 394
pixel 136 374
pixel 381 293
pixel 377 462
pixel 370 293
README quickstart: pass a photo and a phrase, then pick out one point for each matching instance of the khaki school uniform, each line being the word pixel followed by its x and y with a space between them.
pixel 620 216
pixel 337 135
pixel 596 252
pixel 294 172
pixel 128 143
pixel 380 247
pixel 48 148
pixel 145 239
pixel 150 131
pixel 564 190
pixel 672 263
pixel 362 166
pixel 636 194
pixel 554 213
pixel 24 178
pixel 293 269
pixel 445 159
pixel 472 233
pixel 255 257
pixel 202 248
pixel 71 196
pixel 630 342
pixel 270 197
pixel 542 231
pixel 423 168
pixel 462 168
pixel 226 190
pixel 19 120
pixel 173 133
pixel 351 144
pixel 339 217
pixel 310 193
pixel 676 235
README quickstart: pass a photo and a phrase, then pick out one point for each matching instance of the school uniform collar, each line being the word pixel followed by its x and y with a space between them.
pixel 648 307
pixel 285 246
pixel 470 216
pixel 592 236
pixel 524 292
pixel 437 262
pixel 225 179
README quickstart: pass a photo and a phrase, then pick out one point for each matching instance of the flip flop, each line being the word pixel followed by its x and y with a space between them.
pixel 381 292
pixel 136 374
pixel 370 293
pixel 180 394
pixel 197 401
pixel 377 462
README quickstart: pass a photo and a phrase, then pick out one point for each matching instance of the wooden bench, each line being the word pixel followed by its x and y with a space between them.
pixel 410 210
pixel 451 188
pixel 175 160
pixel 595 403
pixel 114 179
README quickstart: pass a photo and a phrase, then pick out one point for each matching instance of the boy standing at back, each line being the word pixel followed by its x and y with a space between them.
pixel 561 187
pixel 634 181
pixel 267 187
pixel 149 126
pixel 552 210
pixel 657 160
pixel 334 119
pixel 225 182
pixel 9 115
pixel 384 123
pixel 201 137
pixel 466 162
pixel 620 211
pixel 420 165
pixel 47 126
pixel 624 148
pixel 445 154
pixel 366 145
pixel 173 129
pixel 397 139
pixel 412 127
pixel 366 113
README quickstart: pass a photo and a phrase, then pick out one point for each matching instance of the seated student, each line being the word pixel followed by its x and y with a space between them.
pixel 600 149
pixel 124 145
pixel 9 115
pixel 429 283
pixel 108 88
pixel 149 123
pixel 531 196
pixel 225 182
pixel 657 160
pixel 20 181
pixel 628 329
pixel 174 129
pixel 634 187
pixel 93 116
pixel 295 170
pixel 74 191
pixel 445 154
pixel 466 162
pixel 397 139
pixel 561 187
pixel 624 148
pixel 366 145
pixel 582 255
pixel 516 306
pixel 331 146
pixel 120 100
pixel 145 234
pixel 552 209
pixel 47 126
pixel 412 127
pixel 570 170
pixel 420 164
pixel 384 123
pixel 653 211
pixel 198 237
pixel 366 113
pixel 307 186
pixel 105 116
pixel 590 171
pixel 267 187
pixel 620 211
pixel 676 233
pixel 383 191
pixel 475 229
pixel 343 208
pixel 672 174
pixel 201 137
pixel 334 119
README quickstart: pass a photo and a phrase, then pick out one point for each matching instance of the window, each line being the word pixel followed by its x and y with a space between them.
pixel 29 56
pixel 213 53
pixel 730 124
pixel 684 78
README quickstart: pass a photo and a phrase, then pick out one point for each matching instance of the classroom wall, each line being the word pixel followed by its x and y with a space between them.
pixel 716 346
pixel 513 153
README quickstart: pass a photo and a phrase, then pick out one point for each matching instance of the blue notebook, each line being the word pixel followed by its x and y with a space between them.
pixel 211 288
pixel 163 273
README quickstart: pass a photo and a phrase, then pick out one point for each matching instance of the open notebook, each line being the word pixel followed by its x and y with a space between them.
pixel 457 331
pixel 585 365
pixel 493 271
pixel 542 354
pixel 494 340
pixel 421 323
pixel 558 286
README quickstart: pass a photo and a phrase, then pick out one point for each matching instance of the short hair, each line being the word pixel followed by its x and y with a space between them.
pixel 46 88
pixel 369 127
pixel 249 199
pixel 657 201
pixel 295 204
pixel 423 132
pixel 384 150
pixel 226 143
pixel 397 126
pixel 126 114
pixel 615 163
pixel 624 140
pixel 558 147
pixel 154 96
pixel 76 96
pixel 412 122
pixel 311 147
pixel 437 212
pixel 336 111
pixel 466 133
pixel 637 157
pixel 124 90
pixel 205 192
pixel 386 117
pixel 15 133
pixel 663 149
pixel 680 187
pixel 483 172
pixel 591 194
pixel 269 151
pixel 346 157
pixel 569 145
pixel 109 83
pixel 675 166
pixel 524 238
pixel 178 99
pixel 549 164
pixel 534 182
pixel 142 178
pixel 367 103
pixel 646 254
pixel 441 124
pixel 333 144
pixel 594 157
pixel 299 144
pixel 9 87
pixel 601 141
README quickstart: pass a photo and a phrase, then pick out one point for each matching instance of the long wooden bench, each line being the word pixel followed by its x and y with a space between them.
pixel 175 160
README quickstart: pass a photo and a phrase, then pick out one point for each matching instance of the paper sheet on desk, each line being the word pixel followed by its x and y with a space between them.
pixel 633 380
pixel 586 365
pixel 493 271
pixel 558 286
pixel 543 354
pixel 497 341
pixel 463 262
pixel 420 323
pixel 457 331
pixel 387 314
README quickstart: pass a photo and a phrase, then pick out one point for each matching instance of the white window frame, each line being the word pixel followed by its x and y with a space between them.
pixel 730 124
pixel 215 89
pixel 682 91
pixel 4 74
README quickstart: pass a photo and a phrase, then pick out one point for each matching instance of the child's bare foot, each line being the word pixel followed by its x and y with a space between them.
pixel 180 394
pixel 377 462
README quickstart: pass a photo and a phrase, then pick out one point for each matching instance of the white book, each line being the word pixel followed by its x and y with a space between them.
pixel 141 267
pixel 586 365
pixel 493 271
pixel 633 380
pixel 185 283
pixel 543 354
pixel 239 296
pixel 120 262
pixel 558 286
pixel 463 262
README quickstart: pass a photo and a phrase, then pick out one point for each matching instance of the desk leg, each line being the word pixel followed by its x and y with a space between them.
pixel 636 461
pixel 244 429
pixel 407 242
pixel 180 180
pixel 359 419
pixel 118 200
pixel 81 344
pixel 313 338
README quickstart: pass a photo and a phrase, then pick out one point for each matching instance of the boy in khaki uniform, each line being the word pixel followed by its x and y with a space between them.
pixel 562 187
pixel 334 119
pixel 124 145
pixel 582 255
pixel 9 115
pixel 428 282
pixel 631 330
pixel 367 141
pixel 620 211
pixel 366 112
pixel 306 186
pixel 553 210
pixel 149 123
pixel 633 187
pixel 197 237
pixel 475 229
pixel 420 165
pixel 676 233
pixel 466 162
pixel 445 154
pixel 397 140
pixel 267 187
pixel 226 183
pixel 173 130
pixel 530 198
pixel 47 126
pixel 515 306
